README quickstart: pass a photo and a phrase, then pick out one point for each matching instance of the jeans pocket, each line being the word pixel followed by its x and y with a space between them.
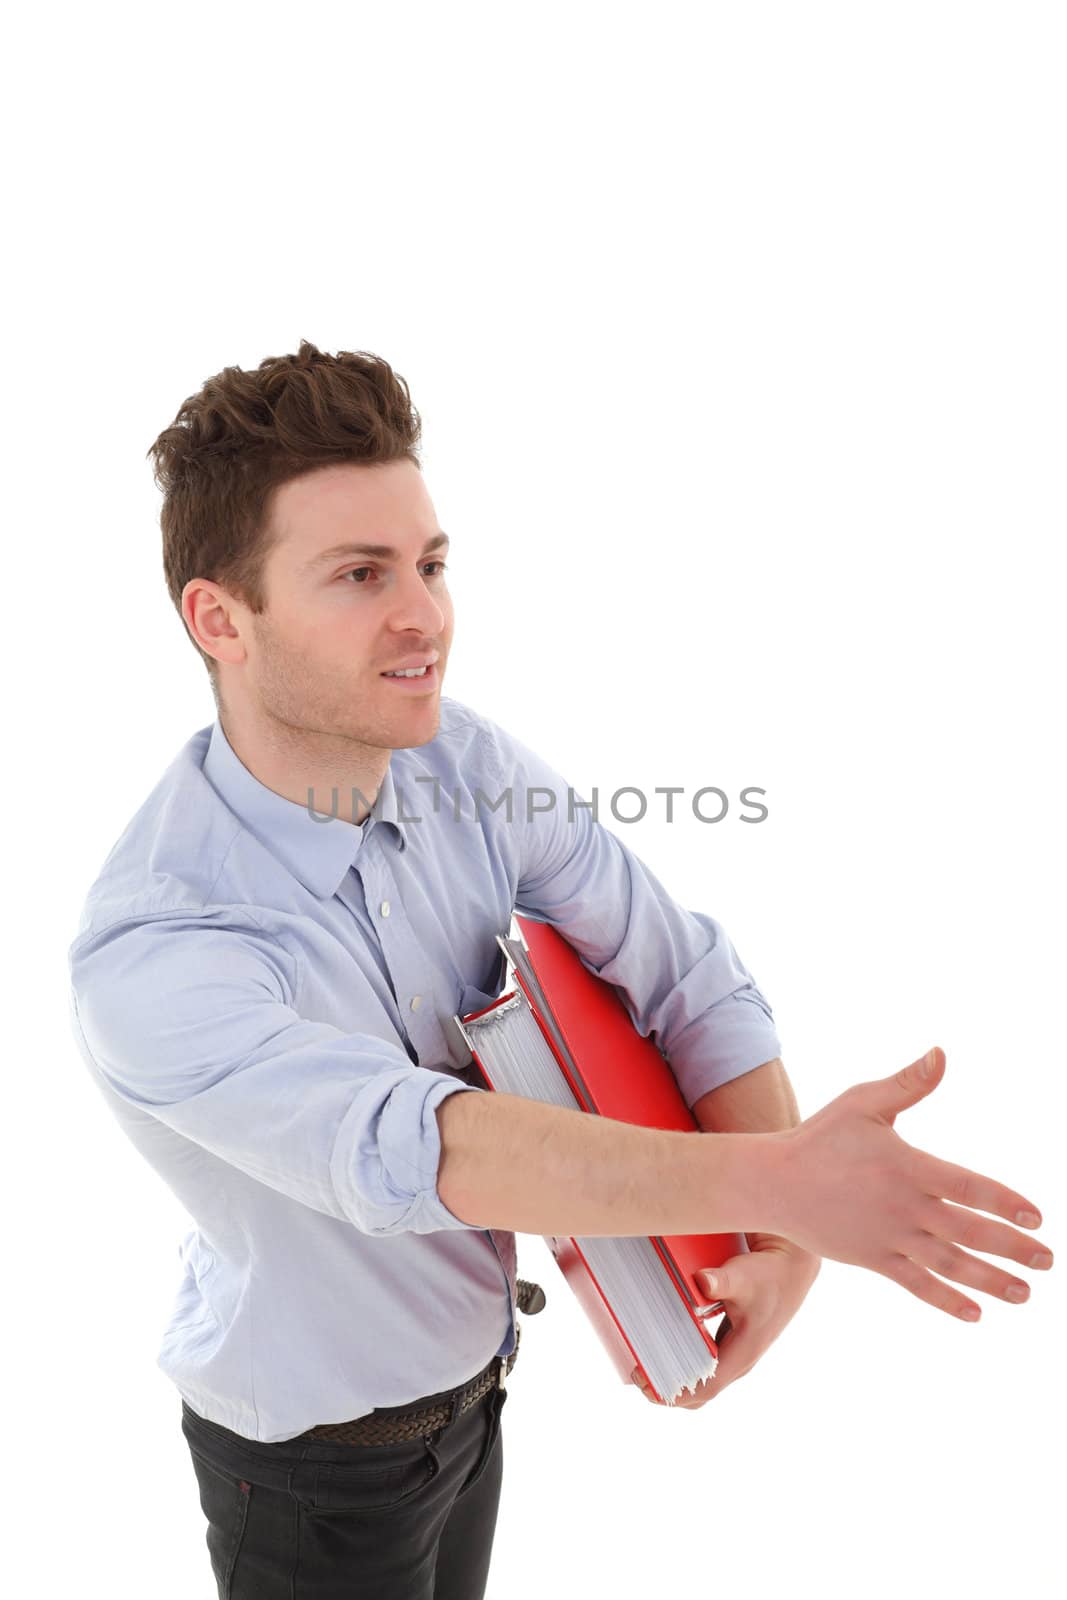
pixel 497 1401
pixel 367 1482
pixel 224 1502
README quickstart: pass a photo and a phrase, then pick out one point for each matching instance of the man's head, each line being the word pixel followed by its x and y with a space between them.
pixel 268 477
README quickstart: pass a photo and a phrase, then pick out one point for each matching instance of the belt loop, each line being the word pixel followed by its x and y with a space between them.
pixel 453 1405
pixel 303 1482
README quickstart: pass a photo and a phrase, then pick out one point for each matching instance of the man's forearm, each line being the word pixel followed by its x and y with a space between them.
pixel 511 1162
pixel 760 1101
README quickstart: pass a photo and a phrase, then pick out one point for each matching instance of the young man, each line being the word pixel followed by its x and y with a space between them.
pixel 263 983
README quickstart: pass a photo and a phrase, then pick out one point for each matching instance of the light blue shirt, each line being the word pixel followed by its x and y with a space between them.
pixel 263 994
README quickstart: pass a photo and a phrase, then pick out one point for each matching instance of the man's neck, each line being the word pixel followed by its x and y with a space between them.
pixel 291 763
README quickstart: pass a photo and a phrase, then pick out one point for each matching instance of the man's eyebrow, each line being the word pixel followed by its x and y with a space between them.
pixel 384 552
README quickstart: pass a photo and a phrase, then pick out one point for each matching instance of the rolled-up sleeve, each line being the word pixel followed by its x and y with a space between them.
pixel 190 1019
pixel 676 971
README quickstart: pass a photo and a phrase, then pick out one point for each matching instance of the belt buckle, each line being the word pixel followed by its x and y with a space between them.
pixel 501 1371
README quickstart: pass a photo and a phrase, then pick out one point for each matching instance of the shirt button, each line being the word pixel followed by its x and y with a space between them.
pixel 385 908
pixel 416 1002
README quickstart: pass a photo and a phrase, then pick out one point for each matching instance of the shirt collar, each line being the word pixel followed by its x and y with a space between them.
pixel 317 849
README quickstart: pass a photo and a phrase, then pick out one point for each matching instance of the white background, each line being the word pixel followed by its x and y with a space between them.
pixel 738 337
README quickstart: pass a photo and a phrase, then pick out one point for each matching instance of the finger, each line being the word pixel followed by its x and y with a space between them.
pixel 687 1400
pixel 950 1262
pixel 694 1399
pixel 946 1181
pixel 719 1285
pixel 992 1238
pixel 913 1277
pixel 640 1382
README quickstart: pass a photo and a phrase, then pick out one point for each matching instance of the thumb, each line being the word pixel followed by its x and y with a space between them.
pixel 722 1283
pixel 909 1085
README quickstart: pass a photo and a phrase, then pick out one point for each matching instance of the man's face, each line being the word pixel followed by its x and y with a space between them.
pixel 337 619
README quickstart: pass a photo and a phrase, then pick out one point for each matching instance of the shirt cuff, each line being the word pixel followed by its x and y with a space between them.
pixel 729 1039
pixel 412 1165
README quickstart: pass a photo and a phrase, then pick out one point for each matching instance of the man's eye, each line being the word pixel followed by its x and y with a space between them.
pixel 355 571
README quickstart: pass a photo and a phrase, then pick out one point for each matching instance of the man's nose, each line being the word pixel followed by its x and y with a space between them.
pixel 415 609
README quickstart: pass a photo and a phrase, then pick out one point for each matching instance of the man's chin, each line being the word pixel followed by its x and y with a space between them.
pixel 418 725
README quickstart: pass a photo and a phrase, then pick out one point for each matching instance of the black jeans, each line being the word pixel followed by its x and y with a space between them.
pixel 312 1520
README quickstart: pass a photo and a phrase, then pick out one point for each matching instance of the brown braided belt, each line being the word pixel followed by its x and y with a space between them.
pixel 530 1298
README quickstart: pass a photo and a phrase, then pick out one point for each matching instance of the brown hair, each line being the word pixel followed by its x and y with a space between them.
pixel 243 435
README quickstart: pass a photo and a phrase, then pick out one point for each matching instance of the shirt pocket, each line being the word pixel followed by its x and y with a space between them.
pixel 468 998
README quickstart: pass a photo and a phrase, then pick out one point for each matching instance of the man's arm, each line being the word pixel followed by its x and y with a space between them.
pixel 760 1101
pixel 676 970
pixel 190 1018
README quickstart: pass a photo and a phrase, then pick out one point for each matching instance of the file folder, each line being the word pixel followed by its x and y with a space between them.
pixel 560 1033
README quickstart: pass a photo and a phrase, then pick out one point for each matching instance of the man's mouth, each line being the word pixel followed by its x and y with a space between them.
pixel 411 677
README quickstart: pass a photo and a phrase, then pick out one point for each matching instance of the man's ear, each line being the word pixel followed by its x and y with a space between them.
pixel 208 612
